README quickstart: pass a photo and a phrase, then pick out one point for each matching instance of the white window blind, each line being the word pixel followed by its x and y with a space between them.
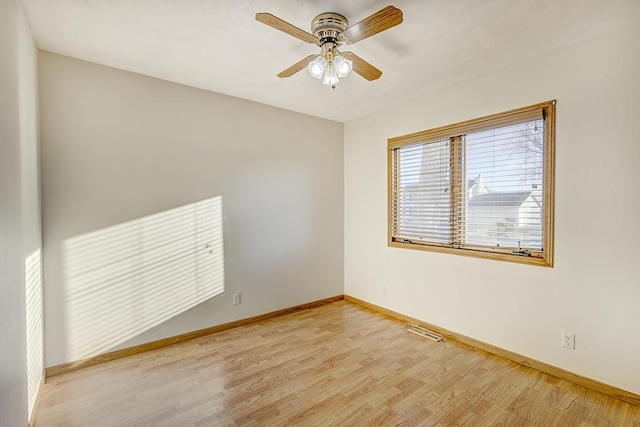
pixel 504 203
pixel 478 186
pixel 422 202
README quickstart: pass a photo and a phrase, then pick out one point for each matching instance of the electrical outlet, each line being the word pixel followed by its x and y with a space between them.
pixel 383 289
pixel 569 340
pixel 236 299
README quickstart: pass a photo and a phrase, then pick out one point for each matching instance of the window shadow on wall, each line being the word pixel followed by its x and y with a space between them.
pixel 128 278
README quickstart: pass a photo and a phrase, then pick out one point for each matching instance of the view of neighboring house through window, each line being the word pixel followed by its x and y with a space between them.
pixel 482 187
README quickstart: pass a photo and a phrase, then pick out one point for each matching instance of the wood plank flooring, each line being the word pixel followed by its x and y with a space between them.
pixel 335 365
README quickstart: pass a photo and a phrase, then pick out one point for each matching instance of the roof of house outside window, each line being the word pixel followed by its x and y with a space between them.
pixel 500 199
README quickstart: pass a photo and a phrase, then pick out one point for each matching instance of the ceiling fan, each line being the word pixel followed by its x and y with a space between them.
pixel 329 31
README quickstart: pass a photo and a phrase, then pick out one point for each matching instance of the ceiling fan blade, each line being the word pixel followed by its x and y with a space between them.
pixel 381 20
pixel 285 27
pixel 362 67
pixel 300 65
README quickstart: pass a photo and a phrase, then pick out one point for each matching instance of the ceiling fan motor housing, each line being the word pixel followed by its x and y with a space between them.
pixel 328 28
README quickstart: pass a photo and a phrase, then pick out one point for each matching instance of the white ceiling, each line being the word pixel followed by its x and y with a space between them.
pixel 218 45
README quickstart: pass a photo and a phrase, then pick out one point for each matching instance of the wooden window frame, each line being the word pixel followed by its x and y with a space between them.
pixel 457 131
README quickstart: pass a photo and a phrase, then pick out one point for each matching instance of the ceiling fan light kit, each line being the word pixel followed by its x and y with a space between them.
pixel 329 31
pixel 333 67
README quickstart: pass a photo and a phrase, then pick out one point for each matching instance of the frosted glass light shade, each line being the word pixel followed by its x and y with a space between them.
pixel 317 67
pixel 330 76
pixel 343 66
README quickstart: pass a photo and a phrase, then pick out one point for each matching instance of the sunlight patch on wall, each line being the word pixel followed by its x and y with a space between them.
pixel 128 278
pixel 35 362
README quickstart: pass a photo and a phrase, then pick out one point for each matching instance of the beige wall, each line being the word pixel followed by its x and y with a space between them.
pixel 19 204
pixel 118 146
pixel 593 290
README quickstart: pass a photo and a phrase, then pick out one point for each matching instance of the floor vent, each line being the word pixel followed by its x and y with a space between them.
pixel 425 333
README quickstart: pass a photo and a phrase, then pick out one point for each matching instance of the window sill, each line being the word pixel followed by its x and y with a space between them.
pixel 543 261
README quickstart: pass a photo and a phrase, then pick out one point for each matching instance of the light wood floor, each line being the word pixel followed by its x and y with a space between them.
pixel 338 364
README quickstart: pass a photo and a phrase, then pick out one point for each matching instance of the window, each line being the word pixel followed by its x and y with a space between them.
pixel 483 187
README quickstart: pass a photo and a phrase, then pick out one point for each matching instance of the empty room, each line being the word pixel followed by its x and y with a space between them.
pixel 319 213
